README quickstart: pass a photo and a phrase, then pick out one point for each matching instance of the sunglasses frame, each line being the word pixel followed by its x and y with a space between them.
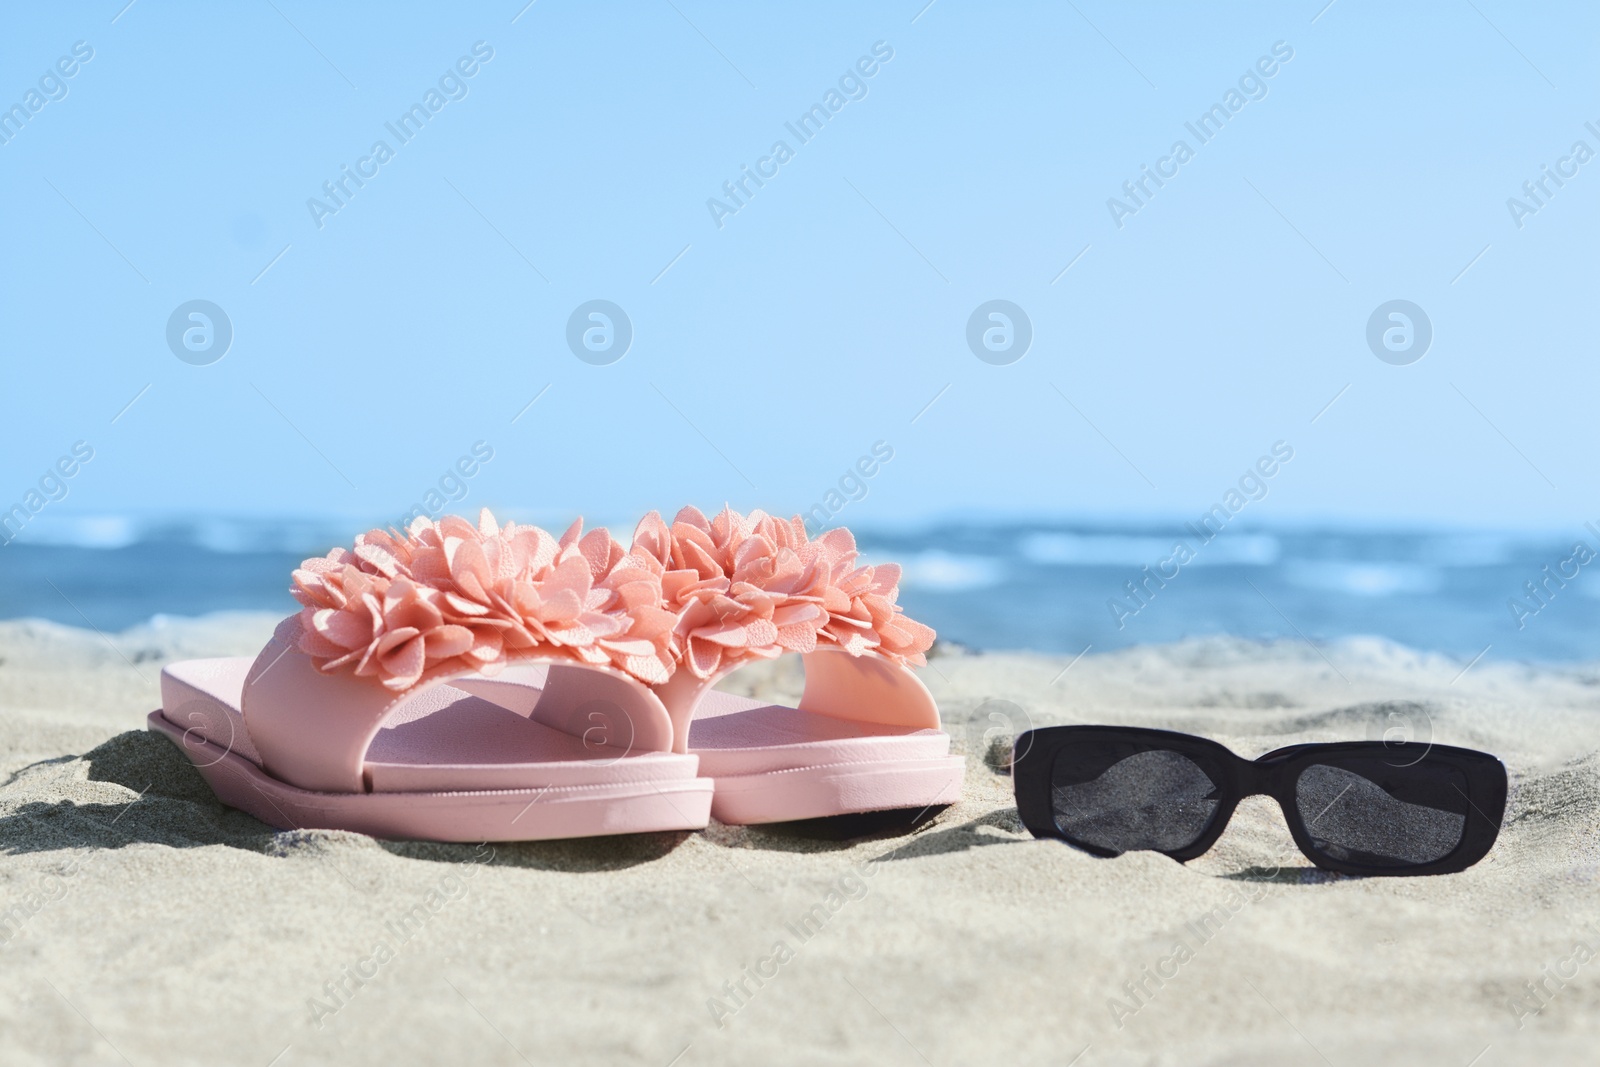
pixel 1275 775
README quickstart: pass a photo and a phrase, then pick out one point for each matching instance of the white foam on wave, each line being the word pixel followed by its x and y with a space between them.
pixel 103 531
pixel 1088 550
pixel 946 572
pixel 218 534
pixel 1259 550
pixel 1367 579
pixel 1135 550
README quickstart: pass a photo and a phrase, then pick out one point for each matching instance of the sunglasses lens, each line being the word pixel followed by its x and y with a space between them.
pixel 1367 810
pixel 1122 796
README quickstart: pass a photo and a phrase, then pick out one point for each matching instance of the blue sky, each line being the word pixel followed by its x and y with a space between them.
pixel 372 351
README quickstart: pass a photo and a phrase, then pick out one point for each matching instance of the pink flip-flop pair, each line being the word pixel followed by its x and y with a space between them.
pixel 471 683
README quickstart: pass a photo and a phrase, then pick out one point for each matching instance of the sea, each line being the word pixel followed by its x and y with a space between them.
pixel 1046 585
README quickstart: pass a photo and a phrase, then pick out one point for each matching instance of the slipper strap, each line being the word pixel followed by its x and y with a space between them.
pixel 865 688
pixel 312 729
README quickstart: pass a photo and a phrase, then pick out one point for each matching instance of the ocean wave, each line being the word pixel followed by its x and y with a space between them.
pixel 1089 550
pixel 1018 584
pixel 216 534
pixel 1366 579
pixel 1469 549
pixel 936 570
pixel 1136 550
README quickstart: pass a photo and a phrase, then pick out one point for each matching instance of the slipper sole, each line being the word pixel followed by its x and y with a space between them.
pixel 837 789
pixel 529 814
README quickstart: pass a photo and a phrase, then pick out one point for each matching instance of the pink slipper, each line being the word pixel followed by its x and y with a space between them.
pixel 866 734
pixel 365 711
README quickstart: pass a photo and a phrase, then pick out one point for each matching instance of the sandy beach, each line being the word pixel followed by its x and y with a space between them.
pixel 141 922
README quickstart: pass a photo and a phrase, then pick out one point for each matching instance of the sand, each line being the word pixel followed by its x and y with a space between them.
pixel 141 922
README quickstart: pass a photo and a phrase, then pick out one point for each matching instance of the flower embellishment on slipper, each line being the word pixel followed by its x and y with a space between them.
pixel 701 594
pixel 754 586
pixel 449 596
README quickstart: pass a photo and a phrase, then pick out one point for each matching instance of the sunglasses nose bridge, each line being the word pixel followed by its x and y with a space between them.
pixel 1255 779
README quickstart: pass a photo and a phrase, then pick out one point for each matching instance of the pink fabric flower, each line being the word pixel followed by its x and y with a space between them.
pixel 448 596
pixel 701 594
pixel 862 613
pixel 754 587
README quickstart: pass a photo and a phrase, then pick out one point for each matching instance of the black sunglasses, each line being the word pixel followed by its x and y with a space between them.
pixel 1357 807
